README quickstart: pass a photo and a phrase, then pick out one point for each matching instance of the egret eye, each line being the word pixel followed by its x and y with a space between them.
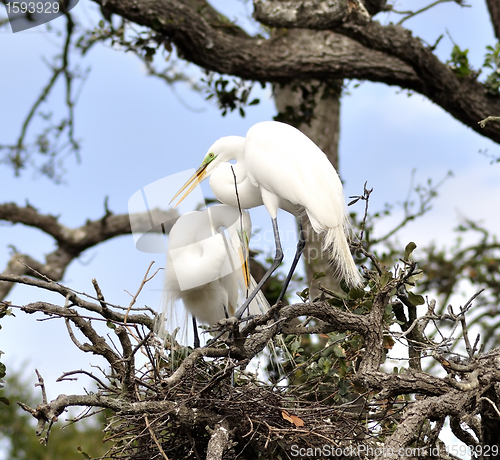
pixel 209 158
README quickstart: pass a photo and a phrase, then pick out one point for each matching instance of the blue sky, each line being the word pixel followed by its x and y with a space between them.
pixel 135 130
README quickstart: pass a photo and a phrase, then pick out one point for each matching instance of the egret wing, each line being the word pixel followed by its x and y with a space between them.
pixel 288 164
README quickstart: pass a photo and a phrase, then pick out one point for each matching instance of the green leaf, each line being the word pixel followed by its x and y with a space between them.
pixel 85 455
pixel 150 52
pixel 304 295
pixel 334 302
pixel 415 299
pixel 385 278
pixel 318 275
pixel 368 303
pixel 294 345
pixel 356 293
pixel 110 325
pixel 325 365
pixel 344 286
pixel 410 247
pixel 460 62
pixel 338 351
pixel 411 281
pixel 4 311
pixel 344 387
pixel 356 342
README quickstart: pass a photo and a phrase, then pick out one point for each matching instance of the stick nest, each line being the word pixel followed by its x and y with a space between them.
pixel 265 420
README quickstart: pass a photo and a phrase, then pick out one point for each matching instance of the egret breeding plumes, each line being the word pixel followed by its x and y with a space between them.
pixel 280 167
pixel 207 266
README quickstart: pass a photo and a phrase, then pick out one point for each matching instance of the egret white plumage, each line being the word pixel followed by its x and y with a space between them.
pixel 207 270
pixel 280 167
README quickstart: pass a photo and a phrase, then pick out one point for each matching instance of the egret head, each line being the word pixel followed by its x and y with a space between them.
pixel 225 149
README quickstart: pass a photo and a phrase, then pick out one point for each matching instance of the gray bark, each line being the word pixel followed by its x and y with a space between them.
pixel 387 54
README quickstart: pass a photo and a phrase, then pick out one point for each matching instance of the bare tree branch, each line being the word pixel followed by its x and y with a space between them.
pixel 72 297
pixel 494 10
pixel 154 399
pixel 220 442
pixel 22 152
pixel 71 242
pixel 388 54
pixel 308 14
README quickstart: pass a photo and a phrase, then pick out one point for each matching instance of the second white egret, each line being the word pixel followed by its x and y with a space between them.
pixel 207 270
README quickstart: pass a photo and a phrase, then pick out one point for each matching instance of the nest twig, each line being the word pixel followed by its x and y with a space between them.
pixel 256 410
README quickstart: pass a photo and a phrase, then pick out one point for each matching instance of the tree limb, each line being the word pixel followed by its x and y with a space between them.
pixel 494 10
pixel 220 441
pixel 387 54
pixel 431 408
pixel 309 14
pixel 71 242
pixel 72 297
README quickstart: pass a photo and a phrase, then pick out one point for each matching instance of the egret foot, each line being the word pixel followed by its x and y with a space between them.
pixel 278 258
pixel 298 253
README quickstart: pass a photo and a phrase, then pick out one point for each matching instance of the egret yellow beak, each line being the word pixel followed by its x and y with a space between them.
pixel 245 267
pixel 192 182
pixel 244 254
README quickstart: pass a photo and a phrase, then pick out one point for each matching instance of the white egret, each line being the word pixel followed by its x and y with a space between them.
pixel 207 270
pixel 280 167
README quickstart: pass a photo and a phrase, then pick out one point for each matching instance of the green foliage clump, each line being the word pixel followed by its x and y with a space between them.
pixel 75 441
pixel 230 95
pixel 459 62
pixel 492 61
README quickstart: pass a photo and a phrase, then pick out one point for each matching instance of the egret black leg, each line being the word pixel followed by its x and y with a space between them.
pixel 195 332
pixel 300 249
pixel 278 257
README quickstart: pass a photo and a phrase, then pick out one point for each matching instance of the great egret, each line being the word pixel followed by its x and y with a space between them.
pixel 207 270
pixel 280 167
